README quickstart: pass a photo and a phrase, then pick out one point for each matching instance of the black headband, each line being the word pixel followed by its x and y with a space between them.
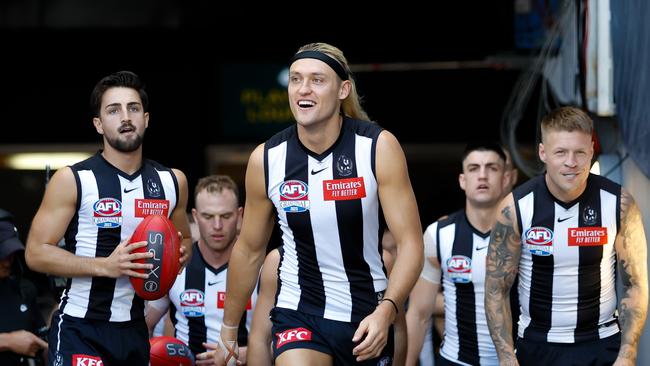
pixel 331 62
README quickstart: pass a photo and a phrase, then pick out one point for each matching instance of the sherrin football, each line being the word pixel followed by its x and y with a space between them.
pixel 169 351
pixel 162 240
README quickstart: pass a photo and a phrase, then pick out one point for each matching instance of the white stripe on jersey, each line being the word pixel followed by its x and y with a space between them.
pixel 289 265
pixel 526 205
pixel 370 208
pixel 564 308
pixel 565 277
pixel 327 244
pixel 77 296
pixel 329 247
pixel 212 314
pixel 77 303
pixel 608 298
pixel 451 344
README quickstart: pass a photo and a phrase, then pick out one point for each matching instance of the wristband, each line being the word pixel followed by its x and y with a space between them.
pixel 392 302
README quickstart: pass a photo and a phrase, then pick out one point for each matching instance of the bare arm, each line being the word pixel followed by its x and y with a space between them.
pixel 401 213
pixel 155 311
pixel 400 335
pixel 249 250
pixel 50 222
pixel 259 339
pixel 632 254
pixel 21 342
pixel 247 254
pixel 179 218
pixel 418 317
pixel 401 340
pixel 500 272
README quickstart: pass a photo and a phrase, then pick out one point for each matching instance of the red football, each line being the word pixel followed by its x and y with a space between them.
pixel 169 351
pixel 162 239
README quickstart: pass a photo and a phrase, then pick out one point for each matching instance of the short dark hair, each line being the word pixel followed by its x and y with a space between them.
pixel 483 146
pixel 124 79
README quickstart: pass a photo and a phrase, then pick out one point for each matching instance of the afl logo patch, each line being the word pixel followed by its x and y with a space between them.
pixel 107 213
pixel 192 303
pixel 459 269
pixel 538 240
pixel 294 196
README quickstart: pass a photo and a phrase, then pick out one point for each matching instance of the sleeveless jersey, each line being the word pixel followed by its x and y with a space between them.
pixel 461 250
pixel 197 301
pixel 568 262
pixel 328 211
pixel 110 204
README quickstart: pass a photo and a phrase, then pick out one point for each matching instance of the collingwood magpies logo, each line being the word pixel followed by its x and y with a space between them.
pixel 344 165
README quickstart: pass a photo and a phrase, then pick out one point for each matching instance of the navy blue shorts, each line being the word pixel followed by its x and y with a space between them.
pixel 596 353
pixel 76 341
pixel 292 329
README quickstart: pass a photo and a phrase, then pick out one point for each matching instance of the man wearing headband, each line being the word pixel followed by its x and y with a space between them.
pixel 324 178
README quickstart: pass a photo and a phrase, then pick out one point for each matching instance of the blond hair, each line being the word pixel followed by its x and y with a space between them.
pixel 567 119
pixel 351 106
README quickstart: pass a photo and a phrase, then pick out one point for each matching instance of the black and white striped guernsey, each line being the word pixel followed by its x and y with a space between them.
pixel 461 250
pixel 197 300
pixel 328 210
pixel 568 262
pixel 110 204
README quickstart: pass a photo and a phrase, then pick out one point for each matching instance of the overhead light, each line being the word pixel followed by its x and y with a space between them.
pixel 39 161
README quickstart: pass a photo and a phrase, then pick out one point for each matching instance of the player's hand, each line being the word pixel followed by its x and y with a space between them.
pixel 223 353
pixel 375 327
pixel 120 262
pixel 623 362
pixel 25 343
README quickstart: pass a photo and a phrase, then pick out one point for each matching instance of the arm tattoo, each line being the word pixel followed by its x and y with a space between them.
pixel 633 270
pixel 501 270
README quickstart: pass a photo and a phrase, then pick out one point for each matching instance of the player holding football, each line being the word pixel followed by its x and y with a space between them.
pixel 95 205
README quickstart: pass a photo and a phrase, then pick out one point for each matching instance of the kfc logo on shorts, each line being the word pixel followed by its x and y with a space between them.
pixel 86 360
pixel 292 335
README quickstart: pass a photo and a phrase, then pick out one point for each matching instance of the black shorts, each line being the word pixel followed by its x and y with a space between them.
pixel 76 341
pixel 292 329
pixel 600 352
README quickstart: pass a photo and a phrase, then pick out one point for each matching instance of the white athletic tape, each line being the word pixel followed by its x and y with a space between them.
pixel 230 352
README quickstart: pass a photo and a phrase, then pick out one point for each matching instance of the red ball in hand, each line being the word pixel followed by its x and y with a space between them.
pixel 162 240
